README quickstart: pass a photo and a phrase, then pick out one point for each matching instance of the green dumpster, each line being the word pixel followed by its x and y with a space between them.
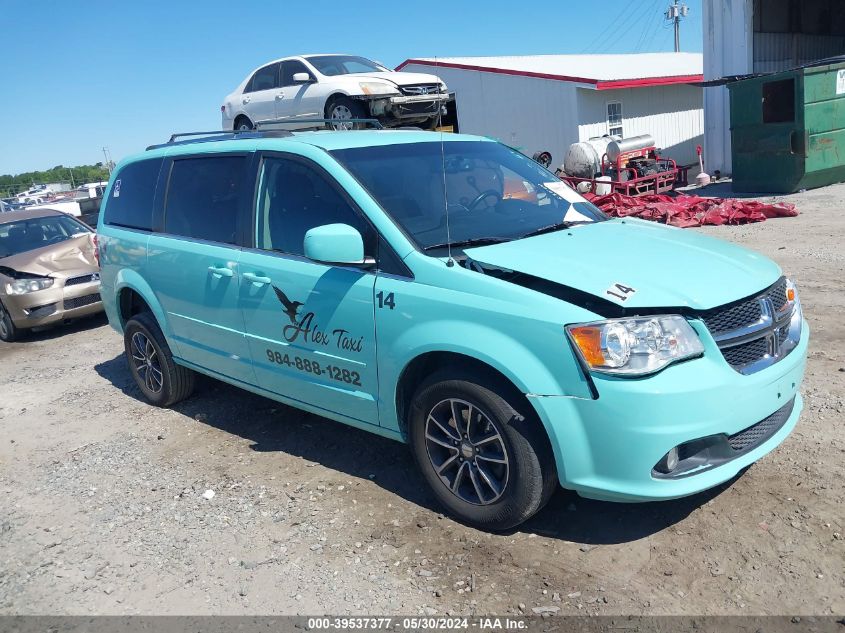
pixel 788 130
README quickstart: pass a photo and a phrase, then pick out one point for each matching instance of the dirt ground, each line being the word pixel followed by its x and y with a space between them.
pixel 102 506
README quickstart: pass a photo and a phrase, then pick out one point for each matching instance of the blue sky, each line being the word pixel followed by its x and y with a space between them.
pixel 77 76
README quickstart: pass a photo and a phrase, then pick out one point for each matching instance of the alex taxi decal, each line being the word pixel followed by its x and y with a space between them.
pixel 309 330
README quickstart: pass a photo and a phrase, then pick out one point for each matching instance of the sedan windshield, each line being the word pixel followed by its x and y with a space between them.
pixel 332 65
pixel 493 193
pixel 27 235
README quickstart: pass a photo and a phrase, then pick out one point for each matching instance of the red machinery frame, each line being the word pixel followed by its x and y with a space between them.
pixel 660 182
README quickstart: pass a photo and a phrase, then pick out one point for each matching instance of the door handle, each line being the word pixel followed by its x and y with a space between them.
pixel 220 272
pixel 281 95
pixel 257 279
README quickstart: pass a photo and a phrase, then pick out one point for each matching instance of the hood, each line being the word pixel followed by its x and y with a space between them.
pixel 74 255
pixel 666 267
pixel 399 78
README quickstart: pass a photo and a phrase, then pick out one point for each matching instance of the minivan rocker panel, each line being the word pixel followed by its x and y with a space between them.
pixel 621 359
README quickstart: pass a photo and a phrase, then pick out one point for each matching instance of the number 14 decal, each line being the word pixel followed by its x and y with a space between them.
pixel 620 292
pixel 388 301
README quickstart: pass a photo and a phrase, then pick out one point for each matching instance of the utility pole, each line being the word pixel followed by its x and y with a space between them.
pixel 108 159
pixel 674 13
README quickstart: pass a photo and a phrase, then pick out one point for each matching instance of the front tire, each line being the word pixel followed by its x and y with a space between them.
pixel 162 381
pixel 340 110
pixel 484 455
pixel 9 332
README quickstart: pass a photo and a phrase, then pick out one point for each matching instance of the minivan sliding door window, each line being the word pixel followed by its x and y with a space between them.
pixel 203 197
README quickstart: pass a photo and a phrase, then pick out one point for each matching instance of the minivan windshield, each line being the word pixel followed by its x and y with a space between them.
pixel 332 65
pixel 494 193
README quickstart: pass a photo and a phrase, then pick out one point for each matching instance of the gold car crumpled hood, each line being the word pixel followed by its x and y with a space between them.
pixel 74 255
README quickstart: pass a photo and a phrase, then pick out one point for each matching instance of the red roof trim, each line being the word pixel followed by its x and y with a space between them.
pixel 649 81
pixel 600 85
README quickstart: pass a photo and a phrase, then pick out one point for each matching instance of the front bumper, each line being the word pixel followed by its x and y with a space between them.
pixel 606 448
pixel 45 307
pixel 409 106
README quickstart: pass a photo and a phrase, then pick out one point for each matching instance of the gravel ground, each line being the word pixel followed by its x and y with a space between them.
pixel 231 503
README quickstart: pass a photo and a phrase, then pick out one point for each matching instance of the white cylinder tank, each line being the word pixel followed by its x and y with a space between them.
pixel 628 144
pixel 583 160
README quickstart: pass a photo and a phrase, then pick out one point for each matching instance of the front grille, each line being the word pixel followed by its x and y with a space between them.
pixel 752 330
pixel 78 302
pixel 721 320
pixel 755 435
pixel 420 89
pixel 747 353
pixel 83 279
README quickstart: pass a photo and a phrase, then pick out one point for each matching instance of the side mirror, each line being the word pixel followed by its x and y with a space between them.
pixel 335 244
pixel 301 78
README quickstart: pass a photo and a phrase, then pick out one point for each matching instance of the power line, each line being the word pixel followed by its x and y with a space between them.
pixel 649 35
pixel 650 27
pixel 606 36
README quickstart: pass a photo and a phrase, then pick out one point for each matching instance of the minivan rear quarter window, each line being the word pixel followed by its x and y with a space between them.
pixel 130 203
pixel 202 198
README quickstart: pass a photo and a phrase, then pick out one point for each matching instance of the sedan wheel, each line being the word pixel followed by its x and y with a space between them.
pixel 341 117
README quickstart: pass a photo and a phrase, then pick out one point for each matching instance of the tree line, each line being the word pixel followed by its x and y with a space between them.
pixel 11 185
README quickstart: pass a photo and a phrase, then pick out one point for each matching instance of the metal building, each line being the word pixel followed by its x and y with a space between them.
pixel 760 36
pixel 547 102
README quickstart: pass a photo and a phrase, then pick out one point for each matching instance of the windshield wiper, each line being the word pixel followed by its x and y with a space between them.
pixel 554 227
pixel 475 241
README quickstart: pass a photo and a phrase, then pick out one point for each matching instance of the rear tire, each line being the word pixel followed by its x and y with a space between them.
pixel 9 332
pixel 243 124
pixel 340 108
pixel 500 446
pixel 162 381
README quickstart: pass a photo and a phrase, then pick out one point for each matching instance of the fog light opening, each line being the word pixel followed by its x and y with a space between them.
pixel 672 460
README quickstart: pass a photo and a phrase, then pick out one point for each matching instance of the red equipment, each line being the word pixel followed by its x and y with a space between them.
pixel 634 168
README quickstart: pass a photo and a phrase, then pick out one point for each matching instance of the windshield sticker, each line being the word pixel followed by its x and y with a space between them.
pixel 563 190
pixel 116 193
pixel 620 292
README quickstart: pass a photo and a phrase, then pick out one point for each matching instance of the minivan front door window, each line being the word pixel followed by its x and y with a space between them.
pixel 293 198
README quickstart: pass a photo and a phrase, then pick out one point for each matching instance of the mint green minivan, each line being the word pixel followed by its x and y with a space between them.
pixel 448 292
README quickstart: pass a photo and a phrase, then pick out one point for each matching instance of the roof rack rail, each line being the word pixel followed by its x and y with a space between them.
pixel 261 130
pixel 317 121
pixel 217 135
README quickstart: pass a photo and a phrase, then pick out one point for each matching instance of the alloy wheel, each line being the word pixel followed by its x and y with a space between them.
pixel 146 363
pixel 467 451
pixel 340 117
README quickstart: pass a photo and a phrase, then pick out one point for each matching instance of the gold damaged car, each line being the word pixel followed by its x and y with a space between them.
pixel 48 270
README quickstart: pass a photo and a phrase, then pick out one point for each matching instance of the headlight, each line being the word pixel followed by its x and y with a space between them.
pixel 635 346
pixel 23 286
pixel 377 88
pixel 443 87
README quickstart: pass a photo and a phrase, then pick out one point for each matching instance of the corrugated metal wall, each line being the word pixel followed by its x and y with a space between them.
pixel 673 115
pixel 780 51
pixel 523 112
pixel 541 114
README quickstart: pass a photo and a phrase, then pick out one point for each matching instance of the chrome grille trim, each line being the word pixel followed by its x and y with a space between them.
pixel 420 89
pixel 757 332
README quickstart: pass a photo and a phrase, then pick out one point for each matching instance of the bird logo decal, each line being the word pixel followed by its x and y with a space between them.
pixel 291 307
